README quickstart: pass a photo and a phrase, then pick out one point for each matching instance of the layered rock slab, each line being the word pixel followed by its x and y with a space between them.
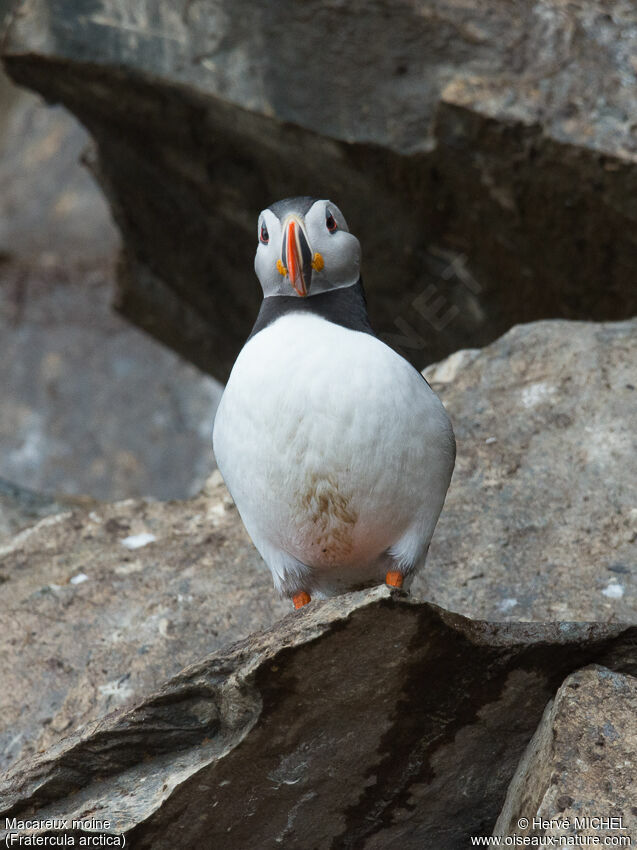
pixel 482 154
pixel 101 606
pixel 370 720
pixel 577 776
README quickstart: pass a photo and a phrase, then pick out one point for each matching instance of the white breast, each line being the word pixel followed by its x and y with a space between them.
pixel 333 447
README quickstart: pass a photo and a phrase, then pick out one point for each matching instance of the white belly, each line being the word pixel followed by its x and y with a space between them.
pixel 332 446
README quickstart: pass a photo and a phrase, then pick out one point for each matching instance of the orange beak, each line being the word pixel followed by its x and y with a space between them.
pixel 298 258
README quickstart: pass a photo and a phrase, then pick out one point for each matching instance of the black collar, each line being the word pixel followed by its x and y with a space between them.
pixel 346 307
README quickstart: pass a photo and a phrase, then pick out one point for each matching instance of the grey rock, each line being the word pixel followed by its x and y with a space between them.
pixel 369 720
pixel 484 154
pixel 88 624
pixel 91 405
pixel 49 204
pixel 540 521
pixel 20 508
pixel 579 767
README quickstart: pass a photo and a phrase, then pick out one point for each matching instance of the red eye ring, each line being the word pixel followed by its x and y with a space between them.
pixel 330 222
pixel 264 236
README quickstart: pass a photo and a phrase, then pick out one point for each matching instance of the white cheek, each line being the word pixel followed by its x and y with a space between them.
pixel 263 266
pixel 258 262
pixel 342 259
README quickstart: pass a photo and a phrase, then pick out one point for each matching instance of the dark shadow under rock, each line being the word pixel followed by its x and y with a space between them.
pixel 367 721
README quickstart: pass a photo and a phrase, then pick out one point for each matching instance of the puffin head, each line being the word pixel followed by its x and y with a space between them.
pixel 305 248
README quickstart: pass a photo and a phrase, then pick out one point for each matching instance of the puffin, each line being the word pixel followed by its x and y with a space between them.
pixel 334 448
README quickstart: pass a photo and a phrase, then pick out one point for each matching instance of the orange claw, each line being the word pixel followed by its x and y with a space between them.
pixel 394 579
pixel 301 599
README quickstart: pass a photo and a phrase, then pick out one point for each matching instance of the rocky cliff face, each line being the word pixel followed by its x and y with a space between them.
pixel 364 721
pixel 153 686
pixel 484 154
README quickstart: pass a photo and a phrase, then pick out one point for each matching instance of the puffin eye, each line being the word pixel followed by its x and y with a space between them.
pixel 264 236
pixel 330 222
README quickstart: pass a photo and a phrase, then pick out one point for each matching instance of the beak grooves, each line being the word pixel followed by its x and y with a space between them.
pixel 297 257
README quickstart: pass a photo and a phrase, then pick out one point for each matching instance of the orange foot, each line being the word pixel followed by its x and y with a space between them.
pixel 394 579
pixel 301 599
